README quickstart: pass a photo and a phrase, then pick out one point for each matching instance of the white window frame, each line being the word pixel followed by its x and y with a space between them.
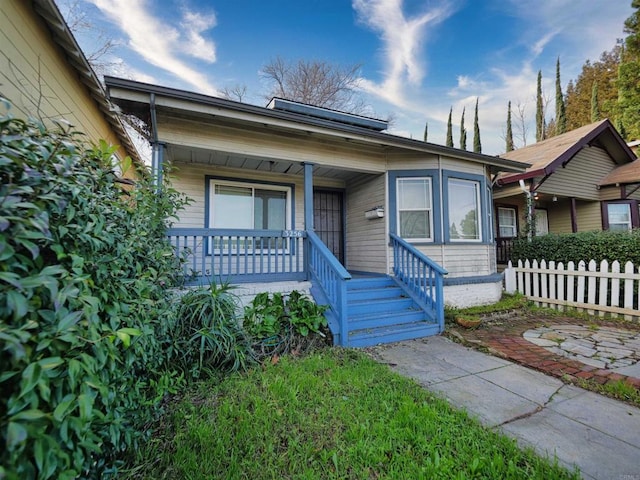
pixel 429 181
pixel 629 224
pixel 540 214
pixel 515 222
pixel 254 186
pixel 478 186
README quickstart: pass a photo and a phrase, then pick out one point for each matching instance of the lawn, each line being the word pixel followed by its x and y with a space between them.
pixel 333 414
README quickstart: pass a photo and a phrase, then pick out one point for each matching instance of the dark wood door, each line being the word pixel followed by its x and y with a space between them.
pixel 328 220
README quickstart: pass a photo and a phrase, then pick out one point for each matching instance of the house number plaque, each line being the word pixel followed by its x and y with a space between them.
pixel 293 233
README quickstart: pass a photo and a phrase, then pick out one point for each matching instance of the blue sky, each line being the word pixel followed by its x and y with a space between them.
pixel 418 58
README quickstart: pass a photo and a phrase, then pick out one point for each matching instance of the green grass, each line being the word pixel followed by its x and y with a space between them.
pixel 333 414
pixel 618 389
pixel 506 303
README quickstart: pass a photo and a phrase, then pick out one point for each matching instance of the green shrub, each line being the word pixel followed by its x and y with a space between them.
pixel 273 321
pixel 207 333
pixel 598 246
pixel 85 322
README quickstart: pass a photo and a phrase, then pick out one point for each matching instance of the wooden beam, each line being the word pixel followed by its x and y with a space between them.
pixel 574 215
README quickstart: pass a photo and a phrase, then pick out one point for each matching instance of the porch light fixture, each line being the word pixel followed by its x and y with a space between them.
pixel 375 212
pixel 555 199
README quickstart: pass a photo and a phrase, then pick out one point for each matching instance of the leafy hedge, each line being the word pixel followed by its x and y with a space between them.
pixel 85 343
pixel 598 246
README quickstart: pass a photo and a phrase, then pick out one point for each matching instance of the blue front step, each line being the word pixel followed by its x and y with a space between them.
pixel 379 311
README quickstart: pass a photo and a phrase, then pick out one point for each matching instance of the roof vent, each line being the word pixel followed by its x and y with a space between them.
pixel 327 114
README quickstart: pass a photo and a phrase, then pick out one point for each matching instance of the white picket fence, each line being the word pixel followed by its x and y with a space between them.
pixel 602 290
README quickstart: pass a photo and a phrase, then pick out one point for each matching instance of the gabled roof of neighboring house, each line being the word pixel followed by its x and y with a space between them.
pixel 623 175
pixel 63 37
pixel 137 98
pixel 548 155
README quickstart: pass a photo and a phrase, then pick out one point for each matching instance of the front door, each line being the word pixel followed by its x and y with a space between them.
pixel 328 220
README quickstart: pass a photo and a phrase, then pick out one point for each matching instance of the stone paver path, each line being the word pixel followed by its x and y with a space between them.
pixel 601 347
pixel 604 353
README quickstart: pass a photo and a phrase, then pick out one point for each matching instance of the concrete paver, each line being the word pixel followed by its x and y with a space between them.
pixel 582 429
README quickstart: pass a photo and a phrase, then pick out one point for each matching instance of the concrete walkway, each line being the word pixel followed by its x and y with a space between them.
pixel 581 429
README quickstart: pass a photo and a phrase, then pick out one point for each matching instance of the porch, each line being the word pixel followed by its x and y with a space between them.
pixel 365 309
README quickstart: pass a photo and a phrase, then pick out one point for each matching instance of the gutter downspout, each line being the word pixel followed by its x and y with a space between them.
pixel 530 224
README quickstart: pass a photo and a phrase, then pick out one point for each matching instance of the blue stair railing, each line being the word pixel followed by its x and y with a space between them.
pixel 422 276
pixel 331 276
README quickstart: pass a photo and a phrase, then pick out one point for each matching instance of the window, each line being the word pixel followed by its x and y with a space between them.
pixel 542 221
pixel 464 210
pixel 236 205
pixel 619 216
pixel 507 226
pixel 415 209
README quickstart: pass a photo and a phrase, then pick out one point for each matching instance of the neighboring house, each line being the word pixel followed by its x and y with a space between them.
pixel 296 192
pixel 586 179
pixel 45 75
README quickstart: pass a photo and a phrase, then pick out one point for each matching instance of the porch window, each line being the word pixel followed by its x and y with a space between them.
pixel 250 207
pixel 619 216
pixel 237 205
pixel 507 225
pixel 542 221
pixel 464 210
pixel 415 208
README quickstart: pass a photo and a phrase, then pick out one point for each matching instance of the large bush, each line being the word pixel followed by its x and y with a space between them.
pixel 598 246
pixel 84 315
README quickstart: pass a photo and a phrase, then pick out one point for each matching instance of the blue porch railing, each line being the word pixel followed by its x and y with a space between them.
pixel 331 276
pixel 423 277
pixel 210 254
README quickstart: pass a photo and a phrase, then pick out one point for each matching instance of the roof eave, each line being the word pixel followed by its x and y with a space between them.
pixel 296 120
pixel 49 12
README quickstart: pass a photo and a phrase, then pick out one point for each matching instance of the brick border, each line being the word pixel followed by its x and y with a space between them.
pixel 504 339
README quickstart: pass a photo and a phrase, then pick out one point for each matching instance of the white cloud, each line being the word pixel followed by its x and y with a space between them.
pixel 122 69
pixel 194 24
pixel 402 39
pixel 573 31
pixel 161 44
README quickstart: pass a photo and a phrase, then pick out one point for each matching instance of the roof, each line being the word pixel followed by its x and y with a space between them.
pixel 546 156
pixel 63 37
pixel 136 98
pixel 623 175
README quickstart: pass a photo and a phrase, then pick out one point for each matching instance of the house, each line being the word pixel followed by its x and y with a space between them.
pixel 586 179
pixel 45 75
pixel 293 192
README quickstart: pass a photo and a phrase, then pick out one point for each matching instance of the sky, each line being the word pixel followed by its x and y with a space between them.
pixel 418 58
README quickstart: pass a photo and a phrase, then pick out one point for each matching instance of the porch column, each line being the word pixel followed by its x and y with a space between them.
pixel 308 213
pixel 308 196
pixel 574 215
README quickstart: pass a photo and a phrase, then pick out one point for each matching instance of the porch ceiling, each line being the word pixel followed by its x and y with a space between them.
pixel 185 154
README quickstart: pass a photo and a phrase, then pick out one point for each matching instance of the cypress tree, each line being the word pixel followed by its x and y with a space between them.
pixel 509 129
pixel 477 145
pixel 450 130
pixel 628 75
pixel 426 131
pixel 561 115
pixel 595 109
pixel 463 133
pixel 539 112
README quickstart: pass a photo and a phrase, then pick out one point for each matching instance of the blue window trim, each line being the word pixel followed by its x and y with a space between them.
pixel 486 237
pixel 434 175
pixel 207 194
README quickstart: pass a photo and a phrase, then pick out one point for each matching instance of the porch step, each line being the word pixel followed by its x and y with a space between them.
pixel 385 319
pixel 380 311
pixel 396 333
